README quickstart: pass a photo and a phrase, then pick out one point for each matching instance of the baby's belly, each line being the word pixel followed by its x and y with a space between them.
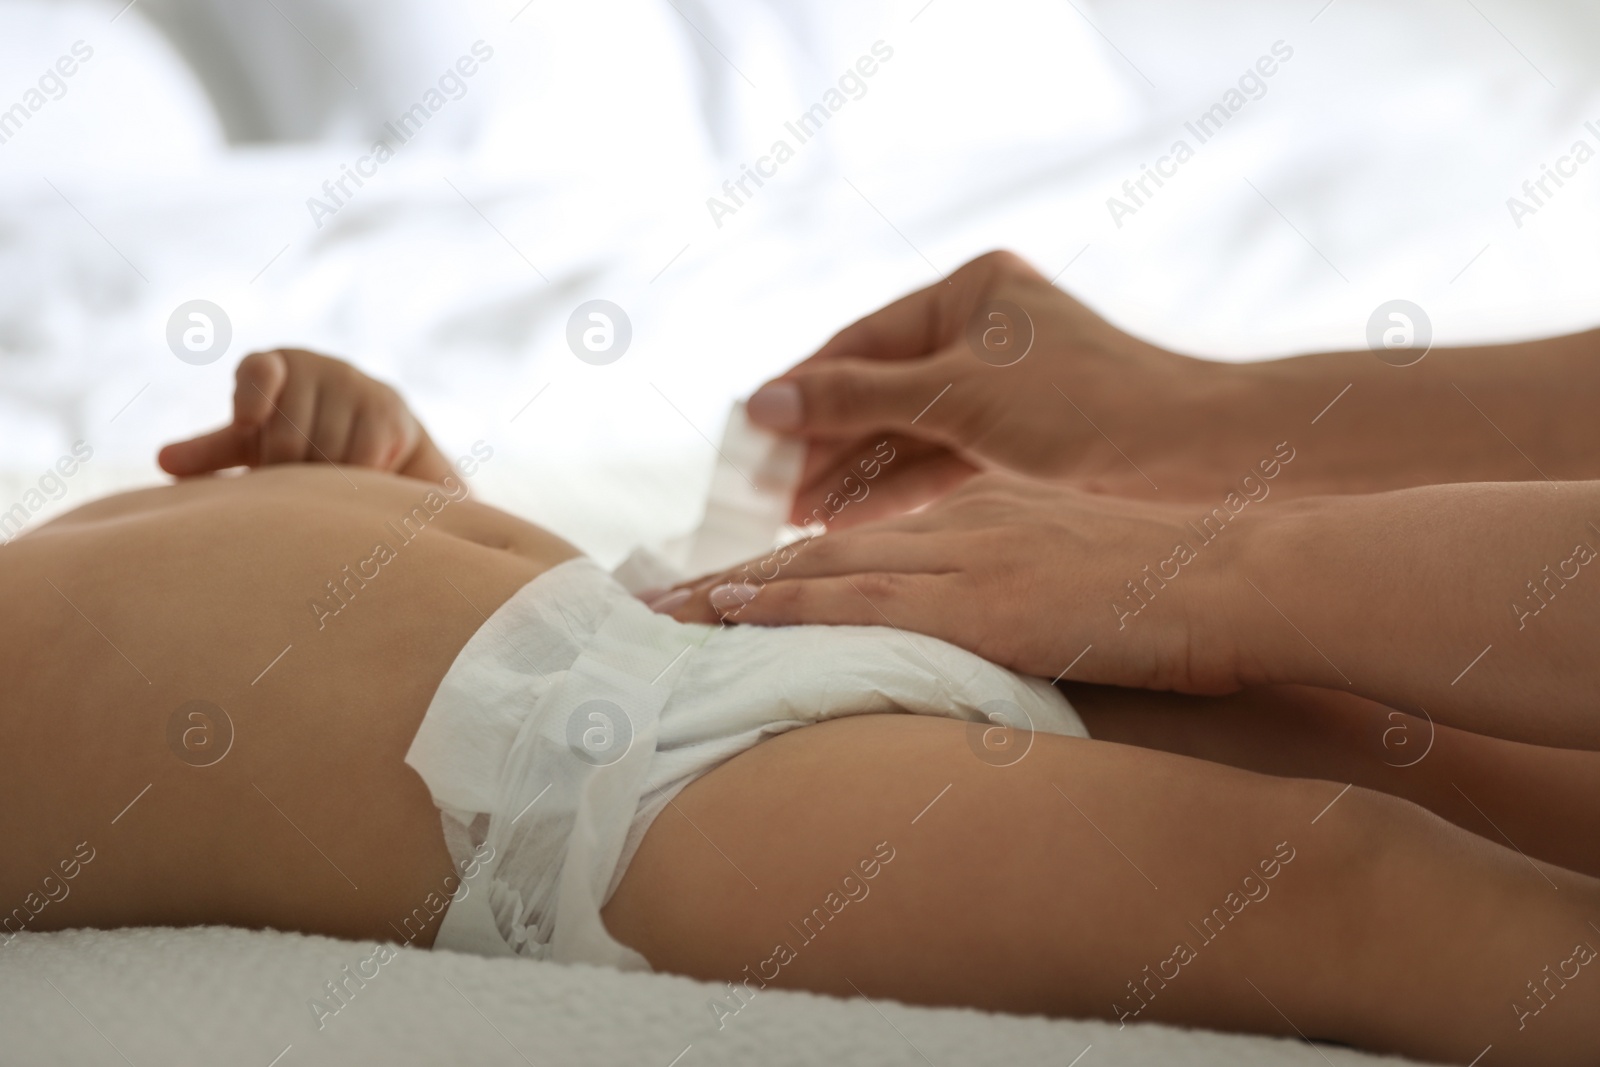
pixel 210 689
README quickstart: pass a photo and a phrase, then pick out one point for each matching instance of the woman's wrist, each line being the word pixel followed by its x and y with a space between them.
pixel 1473 602
pixel 1488 414
pixel 1161 425
pixel 1223 418
pixel 1269 588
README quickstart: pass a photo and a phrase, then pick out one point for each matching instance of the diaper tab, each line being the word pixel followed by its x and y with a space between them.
pixel 752 488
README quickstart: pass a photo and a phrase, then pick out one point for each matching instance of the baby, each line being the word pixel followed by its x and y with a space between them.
pixel 337 695
pixel 364 603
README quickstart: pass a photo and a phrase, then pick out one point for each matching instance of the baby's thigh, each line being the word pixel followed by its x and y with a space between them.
pixel 890 855
pixel 1547 800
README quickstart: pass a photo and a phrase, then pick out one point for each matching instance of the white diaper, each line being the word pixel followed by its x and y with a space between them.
pixel 575 715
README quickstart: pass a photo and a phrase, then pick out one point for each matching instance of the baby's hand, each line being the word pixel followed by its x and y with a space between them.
pixel 291 406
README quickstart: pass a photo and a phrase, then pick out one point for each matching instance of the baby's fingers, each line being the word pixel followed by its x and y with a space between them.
pixel 258 383
pixel 231 446
pixel 287 425
pixel 384 437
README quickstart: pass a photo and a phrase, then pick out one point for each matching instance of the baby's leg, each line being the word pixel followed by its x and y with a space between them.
pixel 1544 801
pixel 1097 879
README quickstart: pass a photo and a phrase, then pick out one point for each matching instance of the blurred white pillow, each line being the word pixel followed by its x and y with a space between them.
pixel 607 94
pixel 86 89
pixel 331 70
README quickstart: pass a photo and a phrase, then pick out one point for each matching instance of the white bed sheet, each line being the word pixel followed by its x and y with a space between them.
pixel 220 995
pixel 453 272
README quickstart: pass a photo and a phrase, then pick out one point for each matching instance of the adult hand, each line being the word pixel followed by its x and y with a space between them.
pixel 1022 573
pixel 1475 602
pixel 994 367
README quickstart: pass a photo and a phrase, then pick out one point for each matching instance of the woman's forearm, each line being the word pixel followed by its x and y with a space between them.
pixel 1516 412
pixel 1479 603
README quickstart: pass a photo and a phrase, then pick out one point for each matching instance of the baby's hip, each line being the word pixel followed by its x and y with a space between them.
pixel 217 706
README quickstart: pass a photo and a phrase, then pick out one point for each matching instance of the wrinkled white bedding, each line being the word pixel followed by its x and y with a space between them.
pixel 577 164
pixel 1383 170
pixel 219 995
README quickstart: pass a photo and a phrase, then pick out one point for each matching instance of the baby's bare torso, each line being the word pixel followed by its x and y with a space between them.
pixel 176 708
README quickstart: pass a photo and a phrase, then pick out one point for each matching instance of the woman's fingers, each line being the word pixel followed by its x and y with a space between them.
pixel 936 541
pixel 920 322
pixel 907 371
pixel 1001 369
pixel 902 548
pixel 869 372
pixel 871 598
pixel 851 396
pixel 842 496
pixel 1027 575
pixel 904 329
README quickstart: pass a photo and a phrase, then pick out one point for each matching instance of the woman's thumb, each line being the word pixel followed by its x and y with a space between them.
pixel 843 396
